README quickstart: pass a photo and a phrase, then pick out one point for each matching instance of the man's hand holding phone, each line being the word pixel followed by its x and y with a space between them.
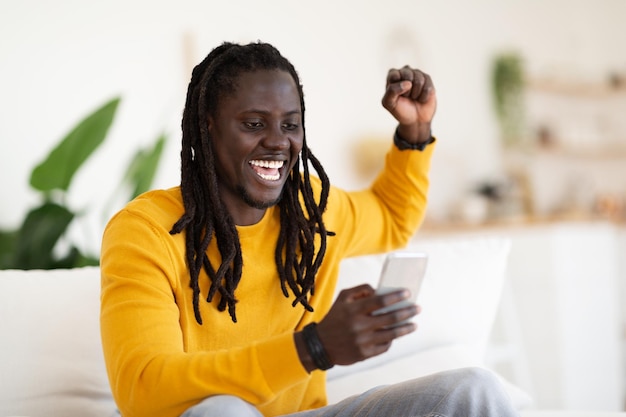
pixel 402 270
pixel 363 322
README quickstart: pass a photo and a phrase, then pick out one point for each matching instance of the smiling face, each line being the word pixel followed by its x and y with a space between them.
pixel 257 135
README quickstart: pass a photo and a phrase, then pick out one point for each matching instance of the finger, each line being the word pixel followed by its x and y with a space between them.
pixel 422 87
pixel 419 79
pixel 386 298
pixel 355 293
pixel 393 76
pixel 401 330
pixel 407 73
pixel 428 88
pixel 405 311
pixel 378 349
pixel 385 336
pixel 393 91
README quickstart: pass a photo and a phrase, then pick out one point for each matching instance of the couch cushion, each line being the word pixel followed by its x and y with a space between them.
pixel 52 363
pixel 459 296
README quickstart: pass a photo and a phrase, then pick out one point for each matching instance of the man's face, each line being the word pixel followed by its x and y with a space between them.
pixel 257 136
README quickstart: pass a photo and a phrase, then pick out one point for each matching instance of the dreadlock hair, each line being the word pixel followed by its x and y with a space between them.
pixel 206 216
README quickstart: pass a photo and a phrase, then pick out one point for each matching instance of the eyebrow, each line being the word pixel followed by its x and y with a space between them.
pixel 288 113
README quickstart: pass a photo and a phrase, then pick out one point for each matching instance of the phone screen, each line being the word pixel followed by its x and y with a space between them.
pixel 402 269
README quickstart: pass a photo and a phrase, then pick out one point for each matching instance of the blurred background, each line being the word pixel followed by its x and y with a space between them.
pixel 530 123
pixel 62 59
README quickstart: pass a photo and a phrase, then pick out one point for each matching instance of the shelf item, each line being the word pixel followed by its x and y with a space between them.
pixel 576 117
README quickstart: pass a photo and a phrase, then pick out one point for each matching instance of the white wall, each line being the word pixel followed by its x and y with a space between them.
pixel 60 59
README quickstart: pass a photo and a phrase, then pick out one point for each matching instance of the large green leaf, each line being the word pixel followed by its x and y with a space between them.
pixel 142 168
pixel 38 236
pixel 57 171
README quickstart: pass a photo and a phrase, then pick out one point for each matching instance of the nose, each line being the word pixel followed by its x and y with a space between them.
pixel 276 138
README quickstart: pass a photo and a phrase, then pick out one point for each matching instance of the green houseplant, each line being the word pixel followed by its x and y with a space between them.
pixel 508 85
pixel 33 244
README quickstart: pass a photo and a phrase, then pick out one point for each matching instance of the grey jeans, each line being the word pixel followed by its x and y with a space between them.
pixel 468 392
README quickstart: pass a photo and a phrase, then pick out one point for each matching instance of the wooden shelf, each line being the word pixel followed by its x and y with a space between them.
pixel 518 223
pixel 602 153
pixel 582 90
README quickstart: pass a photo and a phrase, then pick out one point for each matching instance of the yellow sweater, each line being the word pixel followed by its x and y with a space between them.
pixel 161 362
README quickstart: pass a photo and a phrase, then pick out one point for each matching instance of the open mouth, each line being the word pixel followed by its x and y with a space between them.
pixel 267 170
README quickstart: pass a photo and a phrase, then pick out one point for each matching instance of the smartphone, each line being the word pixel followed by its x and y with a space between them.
pixel 402 269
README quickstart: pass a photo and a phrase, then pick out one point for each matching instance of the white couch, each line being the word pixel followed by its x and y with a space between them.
pixel 51 361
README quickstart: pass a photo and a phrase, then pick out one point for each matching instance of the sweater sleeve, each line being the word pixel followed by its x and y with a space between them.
pixel 385 216
pixel 151 369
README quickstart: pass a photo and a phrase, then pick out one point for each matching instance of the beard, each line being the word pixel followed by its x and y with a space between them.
pixel 257 204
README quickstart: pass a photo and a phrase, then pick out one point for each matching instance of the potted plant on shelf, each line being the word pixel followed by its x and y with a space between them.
pixel 507 80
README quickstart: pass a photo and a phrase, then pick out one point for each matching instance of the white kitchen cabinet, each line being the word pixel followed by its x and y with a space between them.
pixel 567 283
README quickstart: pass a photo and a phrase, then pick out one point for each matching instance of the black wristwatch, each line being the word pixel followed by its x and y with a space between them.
pixel 404 145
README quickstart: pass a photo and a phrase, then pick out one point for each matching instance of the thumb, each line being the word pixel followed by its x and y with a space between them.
pixel 394 91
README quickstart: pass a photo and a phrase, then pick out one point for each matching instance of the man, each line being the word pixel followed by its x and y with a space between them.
pixel 217 296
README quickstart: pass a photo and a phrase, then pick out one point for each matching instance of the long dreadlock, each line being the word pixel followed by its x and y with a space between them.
pixel 206 216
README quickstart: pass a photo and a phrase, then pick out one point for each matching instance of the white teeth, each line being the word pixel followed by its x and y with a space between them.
pixel 268 164
pixel 269 177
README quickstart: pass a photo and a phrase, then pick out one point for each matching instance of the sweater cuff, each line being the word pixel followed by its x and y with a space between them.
pixel 281 370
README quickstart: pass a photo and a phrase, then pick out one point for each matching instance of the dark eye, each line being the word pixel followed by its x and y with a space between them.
pixel 290 126
pixel 253 124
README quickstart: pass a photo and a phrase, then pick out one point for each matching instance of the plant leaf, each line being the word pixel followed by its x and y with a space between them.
pixel 7 248
pixel 39 234
pixel 142 168
pixel 58 169
pixel 85 260
pixel 68 261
